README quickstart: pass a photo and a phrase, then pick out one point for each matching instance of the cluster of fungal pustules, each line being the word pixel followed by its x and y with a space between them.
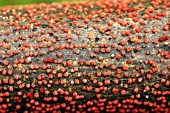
pixel 99 56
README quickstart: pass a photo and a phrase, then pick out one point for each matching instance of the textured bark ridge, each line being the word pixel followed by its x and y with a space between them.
pixel 100 56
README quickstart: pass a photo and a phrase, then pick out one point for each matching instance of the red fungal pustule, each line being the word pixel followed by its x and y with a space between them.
pixel 163 38
pixel 165 27
pixel 123 92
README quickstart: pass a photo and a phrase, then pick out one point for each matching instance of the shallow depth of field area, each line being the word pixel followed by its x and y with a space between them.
pixel 23 2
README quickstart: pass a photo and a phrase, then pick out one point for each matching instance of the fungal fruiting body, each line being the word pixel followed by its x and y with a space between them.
pixel 99 56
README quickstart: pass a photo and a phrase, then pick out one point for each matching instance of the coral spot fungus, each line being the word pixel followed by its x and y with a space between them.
pixel 91 56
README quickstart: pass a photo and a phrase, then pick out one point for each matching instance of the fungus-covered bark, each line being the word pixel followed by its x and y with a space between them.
pixel 103 56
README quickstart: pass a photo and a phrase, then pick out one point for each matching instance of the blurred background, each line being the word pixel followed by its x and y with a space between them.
pixel 22 2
